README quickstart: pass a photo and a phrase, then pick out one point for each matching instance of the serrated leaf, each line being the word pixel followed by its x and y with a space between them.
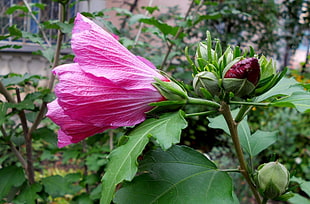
pixel 10 176
pixel 29 194
pixel 178 175
pixel 122 166
pixel 299 100
pixel 56 186
pixel 252 144
pixel 285 87
pixel 163 27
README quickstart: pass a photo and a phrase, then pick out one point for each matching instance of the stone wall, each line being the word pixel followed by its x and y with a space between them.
pixel 23 62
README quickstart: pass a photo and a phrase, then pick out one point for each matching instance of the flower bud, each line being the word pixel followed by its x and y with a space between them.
pixel 206 80
pixel 242 77
pixel 170 90
pixel 272 179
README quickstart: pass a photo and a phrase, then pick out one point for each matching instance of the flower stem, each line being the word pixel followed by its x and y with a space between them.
pixel 242 112
pixel 199 101
pixel 232 125
pixel 200 113
pixel 249 103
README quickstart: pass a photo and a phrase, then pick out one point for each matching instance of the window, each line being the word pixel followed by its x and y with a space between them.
pixel 26 22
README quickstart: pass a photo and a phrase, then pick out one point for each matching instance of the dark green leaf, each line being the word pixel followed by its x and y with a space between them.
pixel 122 166
pixel 10 176
pixel 3 111
pixel 163 27
pixel 14 31
pixel 58 186
pixel 29 194
pixel 253 144
pixel 178 175
pixel 14 8
pixel 213 16
pixel 45 134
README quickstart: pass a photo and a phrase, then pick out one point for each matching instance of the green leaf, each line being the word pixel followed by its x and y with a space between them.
pixel 14 8
pixel 163 27
pixel 252 144
pixel 136 18
pixel 298 199
pixel 95 161
pixel 304 185
pixel 299 100
pixel 169 129
pixel 29 194
pixel 33 37
pixel 10 176
pixel 212 16
pixel 122 166
pixel 57 186
pixel 178 175
pixel 260 140
pixel 3 111
pixel 17 79
pixel 45 134
pixel 285 87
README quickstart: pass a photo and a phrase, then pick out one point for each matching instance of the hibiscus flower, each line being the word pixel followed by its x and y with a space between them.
pixel 107 87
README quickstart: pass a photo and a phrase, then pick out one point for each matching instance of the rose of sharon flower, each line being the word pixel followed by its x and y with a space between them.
pixel 107 86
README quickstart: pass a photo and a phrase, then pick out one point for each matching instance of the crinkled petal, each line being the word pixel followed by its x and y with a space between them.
pixel 71 131
pixel 98 53
pixel 100 102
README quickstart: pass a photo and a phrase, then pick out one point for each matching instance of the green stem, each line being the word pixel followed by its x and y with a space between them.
pixel 199 101
pixel 232 125
pixel 200 113
pixel 230 170
pixel 242 112
pixel 249 103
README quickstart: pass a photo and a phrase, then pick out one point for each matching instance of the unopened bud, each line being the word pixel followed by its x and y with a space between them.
pixel 242 77
pixel 206 80
pixel 170 90
pixel 272 179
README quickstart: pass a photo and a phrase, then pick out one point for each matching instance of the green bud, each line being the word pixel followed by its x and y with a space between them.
pixel 206 80
pixel 170 90
pixel 272 179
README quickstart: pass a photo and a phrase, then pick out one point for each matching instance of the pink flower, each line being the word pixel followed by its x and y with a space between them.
pixel 106 87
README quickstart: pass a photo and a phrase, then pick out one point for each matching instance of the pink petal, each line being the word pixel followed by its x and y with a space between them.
pixel 98 53
pixel 71 131
pixel 100 102
pixel 116 37
pixel 147 62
